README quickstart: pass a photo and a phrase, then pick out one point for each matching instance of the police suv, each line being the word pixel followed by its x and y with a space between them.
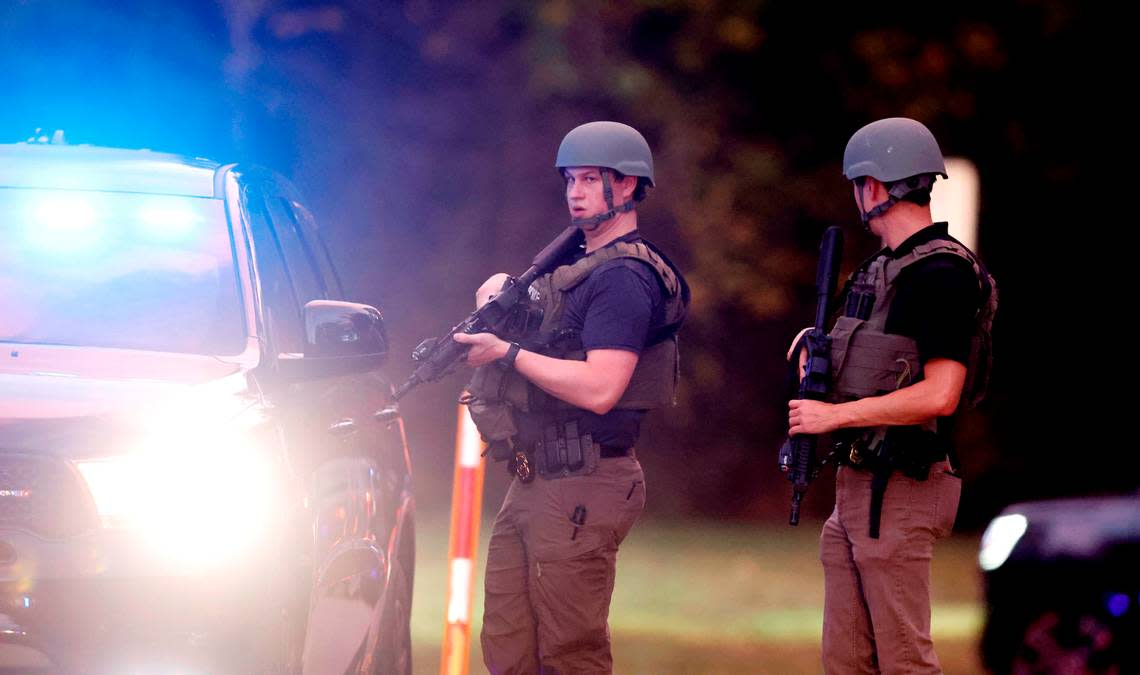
pixel 200 464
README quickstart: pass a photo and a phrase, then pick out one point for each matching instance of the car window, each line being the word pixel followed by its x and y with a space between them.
pixel 281 304
pixel 319 252
pixel 122 270
pixel 300 262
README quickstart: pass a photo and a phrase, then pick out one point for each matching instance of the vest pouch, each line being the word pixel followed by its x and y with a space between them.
pixel 564 452
pixel 840 336
pixel 494 384
pixel 866 362
pixel 486 382
pixel 494 419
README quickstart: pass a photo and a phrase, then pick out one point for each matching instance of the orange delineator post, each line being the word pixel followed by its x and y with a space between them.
pixel 466 506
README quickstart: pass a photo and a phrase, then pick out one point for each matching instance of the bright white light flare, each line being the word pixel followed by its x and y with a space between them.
pixel 999 539
pixel 197 503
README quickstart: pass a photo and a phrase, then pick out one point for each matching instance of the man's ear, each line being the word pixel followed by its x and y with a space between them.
pixel 626 187
pixel 879 191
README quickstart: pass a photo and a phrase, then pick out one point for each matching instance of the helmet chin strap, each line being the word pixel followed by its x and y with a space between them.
pixel 895 192
pixel 878 210
pixel 863 214
pixel 590 224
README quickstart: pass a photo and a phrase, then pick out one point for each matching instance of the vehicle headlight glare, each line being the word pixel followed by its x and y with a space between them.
pixel 197 505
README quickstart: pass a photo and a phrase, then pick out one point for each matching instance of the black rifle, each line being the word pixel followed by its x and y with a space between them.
pixel 797 456
pixel 437 356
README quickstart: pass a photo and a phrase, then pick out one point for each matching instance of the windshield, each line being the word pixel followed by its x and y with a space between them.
pixel 124 270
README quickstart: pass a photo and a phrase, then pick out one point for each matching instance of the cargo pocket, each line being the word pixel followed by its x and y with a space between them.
pixel 572 601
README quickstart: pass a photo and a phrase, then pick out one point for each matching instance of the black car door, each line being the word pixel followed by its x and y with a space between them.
pixel 351 466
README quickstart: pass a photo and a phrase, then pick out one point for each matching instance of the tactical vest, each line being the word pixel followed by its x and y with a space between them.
pixel 654 380
pixel 868 361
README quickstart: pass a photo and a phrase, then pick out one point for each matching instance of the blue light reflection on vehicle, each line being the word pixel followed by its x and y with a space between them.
pixel 167 218
pixel 67 224
pixel 64 223
pixel 118 269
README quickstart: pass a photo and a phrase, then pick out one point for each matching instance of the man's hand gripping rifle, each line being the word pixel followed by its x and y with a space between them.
pixel 438 356
pixel 798 454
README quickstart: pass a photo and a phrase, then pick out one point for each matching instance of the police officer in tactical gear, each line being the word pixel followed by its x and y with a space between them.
pixel 563 405
pixel 913 342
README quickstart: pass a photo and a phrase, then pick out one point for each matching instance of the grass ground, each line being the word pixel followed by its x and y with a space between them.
pixel 711 598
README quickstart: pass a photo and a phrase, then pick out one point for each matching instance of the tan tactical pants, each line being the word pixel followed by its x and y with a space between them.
pixel 548 581
pixel 876 608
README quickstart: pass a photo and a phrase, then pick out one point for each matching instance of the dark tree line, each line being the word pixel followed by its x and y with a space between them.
pixel 424 134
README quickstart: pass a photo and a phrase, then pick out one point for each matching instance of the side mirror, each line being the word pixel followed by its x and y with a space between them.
pixel 334 328
pixel 340 338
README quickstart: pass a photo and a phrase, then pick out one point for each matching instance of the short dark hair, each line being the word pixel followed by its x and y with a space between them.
pixel 920 197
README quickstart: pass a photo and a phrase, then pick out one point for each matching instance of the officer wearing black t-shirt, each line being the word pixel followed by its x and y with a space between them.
pixel 564 406
pixel 936 303
pixel 619 306
pixel 912 341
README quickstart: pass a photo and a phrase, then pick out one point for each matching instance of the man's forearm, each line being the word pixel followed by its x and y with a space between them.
pixel 595 384
pixel 916 404
pixel 579 383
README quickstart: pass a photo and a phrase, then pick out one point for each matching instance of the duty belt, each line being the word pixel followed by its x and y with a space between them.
pixel 562 452
pixel 874 452
pixel 613 451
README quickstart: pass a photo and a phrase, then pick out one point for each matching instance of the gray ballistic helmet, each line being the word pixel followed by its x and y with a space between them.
pixel 892 149
pixel 899 153
pixel 611 145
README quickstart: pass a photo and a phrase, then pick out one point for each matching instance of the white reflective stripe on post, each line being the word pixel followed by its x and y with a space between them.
pixel 466 507
pixel 470 443
pixel 459 605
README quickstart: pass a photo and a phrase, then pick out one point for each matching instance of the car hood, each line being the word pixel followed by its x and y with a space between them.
pixel 84 402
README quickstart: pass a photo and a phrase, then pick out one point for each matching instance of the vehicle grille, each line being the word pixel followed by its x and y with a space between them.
pixel 44 496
